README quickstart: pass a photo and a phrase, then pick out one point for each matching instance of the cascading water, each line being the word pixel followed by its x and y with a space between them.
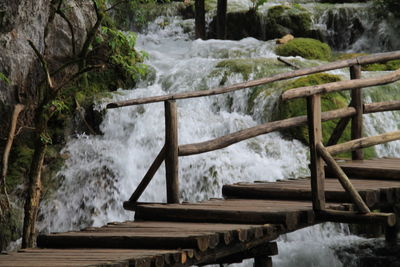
pixel 102 171
pixel 356 27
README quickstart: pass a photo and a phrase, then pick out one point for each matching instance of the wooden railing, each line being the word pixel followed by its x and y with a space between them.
pixel 319 153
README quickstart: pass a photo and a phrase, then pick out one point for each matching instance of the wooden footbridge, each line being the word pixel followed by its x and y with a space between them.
pixel 252 215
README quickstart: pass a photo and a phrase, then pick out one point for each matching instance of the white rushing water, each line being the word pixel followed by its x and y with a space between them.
pixel 102 171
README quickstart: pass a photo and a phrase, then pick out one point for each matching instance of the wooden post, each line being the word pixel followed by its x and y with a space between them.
pixel 316 162
pixel 357 120
pixel 171 151
pixel 200 19
pixel 221 19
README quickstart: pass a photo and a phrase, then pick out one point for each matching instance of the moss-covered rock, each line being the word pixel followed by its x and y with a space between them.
pixel 284 19
pixel 298 107
pixel 305 47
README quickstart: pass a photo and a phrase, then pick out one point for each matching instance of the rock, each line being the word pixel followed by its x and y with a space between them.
pixel 22 20
pixel 285 39
pixel 305 47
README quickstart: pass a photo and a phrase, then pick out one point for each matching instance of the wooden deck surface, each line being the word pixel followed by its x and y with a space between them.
pixel 213 231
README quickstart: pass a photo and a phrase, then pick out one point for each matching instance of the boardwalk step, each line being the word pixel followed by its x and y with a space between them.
pixel 289 213
pixel 379 169
pixel 371 191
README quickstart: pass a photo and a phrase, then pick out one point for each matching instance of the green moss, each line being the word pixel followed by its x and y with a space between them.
pixel 305 47
pixel 284 19
pixel 10 227
pixel 331 101
pixel 20 160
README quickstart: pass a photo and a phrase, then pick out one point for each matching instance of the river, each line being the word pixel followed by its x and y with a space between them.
pixel 102 171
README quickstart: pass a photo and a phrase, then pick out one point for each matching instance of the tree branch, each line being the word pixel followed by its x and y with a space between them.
pixel 44 64
pixel 11 134
pixel 76 75
pixel 116 4
pixel 71 27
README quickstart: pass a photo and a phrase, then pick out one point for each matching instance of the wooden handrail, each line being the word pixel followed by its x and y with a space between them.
pixel 375 58
pixel 364 142
pixel 171 150
pixel 229 139
pixel 340 86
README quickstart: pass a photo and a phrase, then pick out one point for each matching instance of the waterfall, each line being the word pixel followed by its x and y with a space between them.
pixel 102 171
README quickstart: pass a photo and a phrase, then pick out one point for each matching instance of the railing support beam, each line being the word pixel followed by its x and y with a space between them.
pixel 316 162
pixel 171 151
pixel 357 120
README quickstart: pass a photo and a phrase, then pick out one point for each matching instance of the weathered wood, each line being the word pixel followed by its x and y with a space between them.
pixel 340 86
pixel 221 19
pixel 355 217
pixel 127 240
pixel 381 106
pixel 316 163
pixel 344 180
pixel 278 77
pixel 338 131
pixel 371 197
pixel 200 19
pixel 146 179
pixel 363 142
pixel 229 139
pixel 222 214
pixel 171 151
pixel 380 169
pixel 294 66
pixel 357 103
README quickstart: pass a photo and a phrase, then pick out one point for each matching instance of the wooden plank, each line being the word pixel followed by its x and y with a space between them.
pixel 316 163
pixel 217 215
pixel 371 197
pixel 357 103
pixel 344 180
pixel 354 217
pixel 171 151
pixel 126 240
pixel 381 57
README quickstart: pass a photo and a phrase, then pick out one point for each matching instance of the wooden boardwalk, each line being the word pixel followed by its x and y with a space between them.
pixel 243 225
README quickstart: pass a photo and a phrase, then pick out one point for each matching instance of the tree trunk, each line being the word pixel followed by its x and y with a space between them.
pixel 35 186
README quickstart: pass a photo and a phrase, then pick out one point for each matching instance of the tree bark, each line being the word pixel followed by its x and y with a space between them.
pixel 11 134
pixel 34 193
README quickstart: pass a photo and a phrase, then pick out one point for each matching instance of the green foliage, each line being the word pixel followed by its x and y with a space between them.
pixel 20 159
pixel 123 53
pixel 10 227
pixel 4 78
pixel 305 47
